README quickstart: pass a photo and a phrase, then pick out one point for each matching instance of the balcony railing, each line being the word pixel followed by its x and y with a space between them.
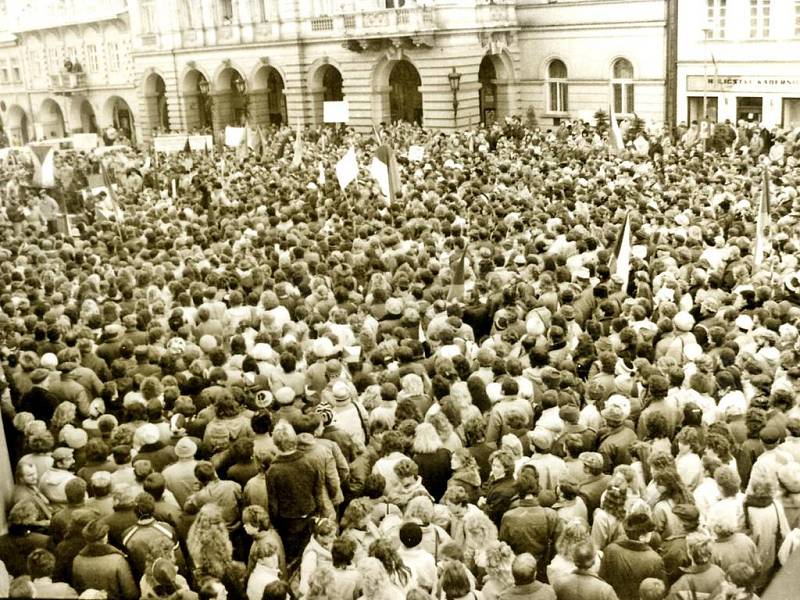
pixel 65 82
pixel 374 23
pixel 496 15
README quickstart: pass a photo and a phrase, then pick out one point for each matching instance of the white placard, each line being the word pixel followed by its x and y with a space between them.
pixel 199 143
pixel 336 112
pixel 234 136
pixel 84 141
pixel 169 143
pixel 416 153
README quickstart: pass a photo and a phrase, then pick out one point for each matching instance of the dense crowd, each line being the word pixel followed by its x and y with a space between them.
pixel 263 387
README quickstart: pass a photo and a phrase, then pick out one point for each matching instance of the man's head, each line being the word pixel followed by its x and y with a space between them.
pixel 145 506
pixel 41 563
pixel 75 490
pixel 524 569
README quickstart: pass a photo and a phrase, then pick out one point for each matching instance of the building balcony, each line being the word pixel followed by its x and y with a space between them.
pixel 496 14
pixel 65 83
pixel 361 29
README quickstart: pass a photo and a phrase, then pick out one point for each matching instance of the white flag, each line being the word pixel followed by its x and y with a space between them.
pixel 234 136
pixel 347 168
pixel 622 254
pixel 321 176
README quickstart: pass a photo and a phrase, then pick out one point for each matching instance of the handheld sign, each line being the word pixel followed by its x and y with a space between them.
pixel 336 112
pixel 416 153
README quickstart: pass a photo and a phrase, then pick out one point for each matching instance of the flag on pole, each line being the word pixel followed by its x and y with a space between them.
pixel 347 168
pixel 263 139
pixel 384 170
pixel 321 176
pixel 615 135
pixel 243 149
pixel 257 141
pixel 297 159
pixel 44 173
pixel 622 252
pixel 457 284
pixel 716 68
pixel 112 196
pixel 762 222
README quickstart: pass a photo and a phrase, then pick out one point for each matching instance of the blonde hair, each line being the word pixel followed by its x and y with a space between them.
pixel 373 578
pixel 499 558
pixel 575 532
pixel 208 542
pixel 320 584
pixel 426 439
pixel 511 443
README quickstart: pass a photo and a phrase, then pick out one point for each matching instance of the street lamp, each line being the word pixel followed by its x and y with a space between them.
pixel 240 85
pixel 203 88
pixel 454 78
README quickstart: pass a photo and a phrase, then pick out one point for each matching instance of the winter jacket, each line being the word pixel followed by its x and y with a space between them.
pixel 626 564
pixel 103 567
pixel 615 447
pixel 531 528
pixel 225 494
pixel 320 454
pixel 583 585
pixel 434 468
pixel 766 522
pixel 159 455
pixel 15 547
pixel 733 549
pixel 499 494
pixel 314 556
pixel 295 486
pixel 531 591
pixel 703 579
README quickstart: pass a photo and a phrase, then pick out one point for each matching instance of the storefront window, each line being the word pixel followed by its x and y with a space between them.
pixel 749 109
pixel 696 112
pixel 791 112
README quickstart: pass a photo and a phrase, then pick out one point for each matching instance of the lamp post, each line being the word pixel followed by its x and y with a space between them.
pixel 203 88
pixel 240 85
pixel 454 78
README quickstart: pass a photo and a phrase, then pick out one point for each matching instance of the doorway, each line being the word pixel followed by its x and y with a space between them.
pixel 749 109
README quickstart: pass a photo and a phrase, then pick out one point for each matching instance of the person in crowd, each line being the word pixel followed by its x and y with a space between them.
pixel 472 389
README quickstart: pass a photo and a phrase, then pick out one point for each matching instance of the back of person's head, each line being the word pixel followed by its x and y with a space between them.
pixel 652 589
pixel 155 484
pixel 454 580
pixel 75 490
pixel 41 563
pixel 343 551
pixel 284 437
pixel 209 588
pixel 276 590
pixel 21 587
pixel 527 484
pixel 145 506
pixel 699 548
pixel 741 575
pixel 410 534
pixel 205 472
pixel 523 569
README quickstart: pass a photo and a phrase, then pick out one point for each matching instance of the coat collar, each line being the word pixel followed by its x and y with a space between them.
pixel 98 549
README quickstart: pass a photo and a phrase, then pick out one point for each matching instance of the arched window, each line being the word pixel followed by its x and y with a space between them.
pixel 622 86
pixel 557 87
pixel 186 14
pixel 226 11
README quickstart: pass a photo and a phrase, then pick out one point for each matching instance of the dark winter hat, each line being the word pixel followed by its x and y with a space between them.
pixel 410 535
